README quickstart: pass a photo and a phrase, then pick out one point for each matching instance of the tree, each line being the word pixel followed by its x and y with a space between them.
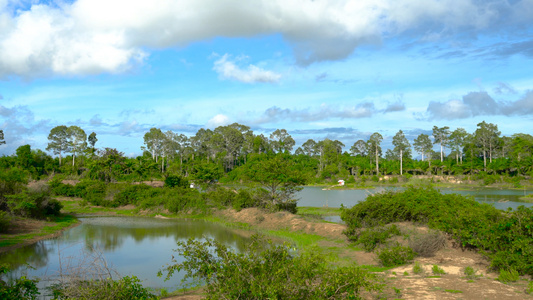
pixel 374 146
pixel 58 138
pixel 154 140
pixel 402 147
pixel 359 148
pixel 76 139
pixel 2 141
pixel 441 136
pixel 309 147
pixel 423 145
pixel 457 140
pixel 92 140
pixel 24 156
pixel 278 175
pixel 487 135
pixel 282 141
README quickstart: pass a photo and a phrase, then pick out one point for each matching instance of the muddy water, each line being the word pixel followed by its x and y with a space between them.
pixel 131 246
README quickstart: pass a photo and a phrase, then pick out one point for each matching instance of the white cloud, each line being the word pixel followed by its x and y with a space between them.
pixel 94 36
pixel 218 120
pixel 227 69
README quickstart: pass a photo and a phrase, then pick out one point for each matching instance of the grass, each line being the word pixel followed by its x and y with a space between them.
pixel 57 224
pixel 319 211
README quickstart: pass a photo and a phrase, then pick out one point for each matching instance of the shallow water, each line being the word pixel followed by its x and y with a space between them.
pixel 132 246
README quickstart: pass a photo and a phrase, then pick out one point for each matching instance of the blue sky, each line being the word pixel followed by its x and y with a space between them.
pixel 336 69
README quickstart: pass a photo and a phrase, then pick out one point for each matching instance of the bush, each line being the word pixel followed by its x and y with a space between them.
pixel 470 273
pixel 426 244
pixel 176 181
pixel 373 237
pixel 395 255
pixel 5 220
pixel 132 194
pixel 20 288
pixel 267 271
pixel 244 199
pixel 33 204
pixel 509 275
pixel 437 270
pixel 418 268
pixel 125 288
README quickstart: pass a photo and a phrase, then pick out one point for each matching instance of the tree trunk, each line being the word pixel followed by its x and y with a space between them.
pixel 401 163
pixel 377 163
pixel 441 153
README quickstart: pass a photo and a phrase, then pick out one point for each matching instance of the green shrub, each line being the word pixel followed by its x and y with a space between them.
pixel 470 273
pixel 20 288
pixel 176 181
pixel 33 204
pixel 125 288
pixel 395 255
pixel 418 268
pixel 244 199
pixel 372 237
pixel 267 271
pixel 437 270
pixel 132 194
pixel 5 220
pixel 509 275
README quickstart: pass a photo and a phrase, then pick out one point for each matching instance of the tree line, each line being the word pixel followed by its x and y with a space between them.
pixel 212 154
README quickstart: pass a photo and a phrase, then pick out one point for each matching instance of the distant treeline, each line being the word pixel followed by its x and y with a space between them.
pixel 221 154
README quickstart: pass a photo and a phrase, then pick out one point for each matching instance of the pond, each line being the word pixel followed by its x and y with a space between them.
pixel 132 246
pixel 317 197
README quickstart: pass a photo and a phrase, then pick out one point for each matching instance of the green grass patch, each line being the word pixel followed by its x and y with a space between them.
pixel 320 211
pixel 58 223
pixel 301 239
pixel 454 291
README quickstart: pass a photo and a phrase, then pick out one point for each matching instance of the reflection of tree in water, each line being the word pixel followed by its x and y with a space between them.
pixel 34 256
pixel 109 233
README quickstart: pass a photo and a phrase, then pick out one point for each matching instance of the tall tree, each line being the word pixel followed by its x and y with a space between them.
pixel 309 147
pixel 76 139
pixel 359 148
pixel 423 145
pixel 457 140
pixel 282 141
pixel 92 140
pixel 402 147
pixel 441 136
pixel 487 136
pixel 58 140
pixel 374 146
pixel 154 141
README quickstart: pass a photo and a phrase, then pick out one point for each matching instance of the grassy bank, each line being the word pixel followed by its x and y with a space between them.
pixel 37 231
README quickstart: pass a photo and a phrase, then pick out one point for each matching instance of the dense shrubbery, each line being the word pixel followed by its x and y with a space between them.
pixel 375 236
pixel 395 255
pixel 267 271
pixel 125 288
pixel 20 288
pixel 504 237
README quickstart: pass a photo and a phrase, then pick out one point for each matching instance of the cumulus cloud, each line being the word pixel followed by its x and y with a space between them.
pixel 228 69
pixel 479 104
pixel 95 36
pixel 218 120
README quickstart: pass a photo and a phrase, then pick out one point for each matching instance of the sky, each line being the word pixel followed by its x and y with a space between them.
pixel 337 69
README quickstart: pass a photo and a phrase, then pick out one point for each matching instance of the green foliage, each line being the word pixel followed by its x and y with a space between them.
pixel 470 272
pixel 125 288
pixel 418 268
pixel 504 237
pixel 370 238
pixel 529 289
pixel 395 255
pixel 176 181
pixel 20 288
pixel 437 270
pixel 33 204
pixel 132 194
pixel 267 271
pixel 5 220
pixel 509 275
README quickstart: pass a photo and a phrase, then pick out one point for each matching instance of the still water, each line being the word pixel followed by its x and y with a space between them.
pixel 132 246
pixel 317 197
